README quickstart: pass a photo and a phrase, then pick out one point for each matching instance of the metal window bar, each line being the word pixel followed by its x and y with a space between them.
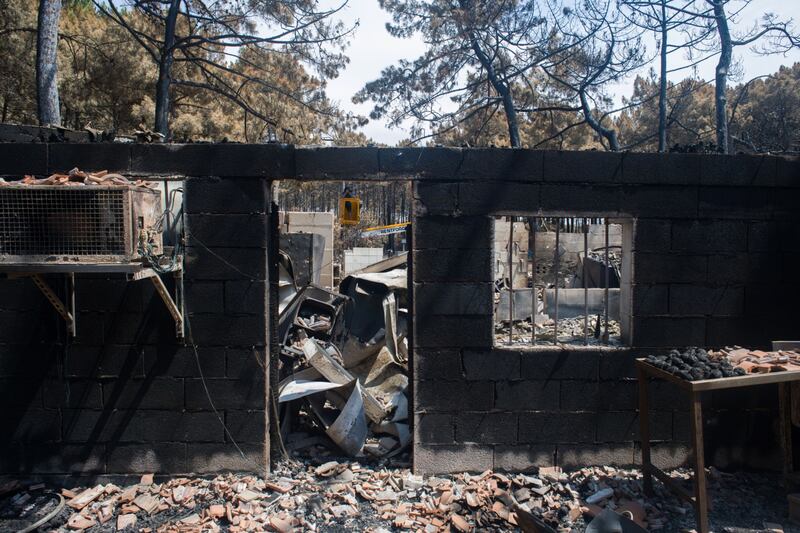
pixel 534 294
pixel 510 274
pixel 585 285
pixel 605 294
pixel 556 266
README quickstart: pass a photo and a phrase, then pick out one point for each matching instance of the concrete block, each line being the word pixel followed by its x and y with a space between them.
pixel 666 455
pixel 455 265
pixel 16 392
pixel 453 331
pixel 579 395
pixel 245 297
pixel 542 364
pixel 735 202
pixel 788 172
pixel 620 395
pixel 205 296
pixel 164 458
pixel 34 425
pixel 217 458
pixel 83 459
pixel 228 330
pixel 90 157
pixel 498 365
pixel 238 231
pixel 437 364
pixel 709 236
pixel 623 426
pixel 501 164
pixel 434 428
pixel 226 195
pixel 180 361
pixel 155 393
pixel 486 428
pixel 18 159
pixel 83 394
pixel 559 199
pixel 454 298
pixel 274 161
pixel 744 170
pixel 617 364
pixel 482 198
pixel 528 395
pixel 435 198
pixel 226 394
pixel 454 396
pixel 583 167
pixel 438 162
pixel 246 426
pixel 245 363
pixel 650 299
pixel 652 168
pixel 449 233
pixel 664 268
pixel 668 332
pixel 659 201
pixel 580 455
pixel 548 428
pixel 186 159
pixel 449 459
pixel 733 268
pixel 225 263
pixel 652 235
pixel 523 457
pixel 345 163
pixel 687 300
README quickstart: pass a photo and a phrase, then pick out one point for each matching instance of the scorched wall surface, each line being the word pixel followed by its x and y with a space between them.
pixel 714 247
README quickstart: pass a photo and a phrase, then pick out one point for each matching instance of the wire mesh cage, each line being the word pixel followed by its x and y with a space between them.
pixel 92 224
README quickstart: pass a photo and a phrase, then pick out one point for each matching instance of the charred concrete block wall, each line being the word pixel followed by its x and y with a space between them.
pixel 714 244
pixel 125 396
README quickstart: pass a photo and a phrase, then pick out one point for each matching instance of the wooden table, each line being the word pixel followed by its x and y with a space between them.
pixel 699 500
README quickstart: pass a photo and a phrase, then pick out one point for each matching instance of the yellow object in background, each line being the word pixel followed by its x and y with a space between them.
pixel 349 211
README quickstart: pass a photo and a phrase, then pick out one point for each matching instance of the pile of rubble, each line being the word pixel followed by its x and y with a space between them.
pixel 344 365
pixel 76 177
pixel 570 330
pixel 349 496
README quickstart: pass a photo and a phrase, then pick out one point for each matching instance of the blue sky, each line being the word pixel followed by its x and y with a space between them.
pixel 372 48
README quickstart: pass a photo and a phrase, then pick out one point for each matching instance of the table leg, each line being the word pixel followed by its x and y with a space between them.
pixel 644 431
pixel 785 413
pixel 701 497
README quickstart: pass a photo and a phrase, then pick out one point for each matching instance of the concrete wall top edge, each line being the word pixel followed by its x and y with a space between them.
pixel 278 161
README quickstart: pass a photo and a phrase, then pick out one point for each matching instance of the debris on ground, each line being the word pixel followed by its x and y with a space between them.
pixel 570 330
pixel 348 496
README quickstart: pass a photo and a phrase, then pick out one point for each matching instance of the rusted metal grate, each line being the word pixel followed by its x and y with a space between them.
pixel 68 221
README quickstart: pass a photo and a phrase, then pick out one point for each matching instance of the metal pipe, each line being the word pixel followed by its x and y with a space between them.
pixel 605 294
pixel 585 283
pixel 556 266
pixel 510 280
pixel 534 296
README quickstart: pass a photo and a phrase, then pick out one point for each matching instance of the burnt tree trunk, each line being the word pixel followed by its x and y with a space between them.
pixel 165 70
pixel 721 76
pixel 662 94
pixel 47 62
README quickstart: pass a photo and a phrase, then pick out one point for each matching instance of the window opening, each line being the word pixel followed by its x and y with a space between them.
pixel 561 280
